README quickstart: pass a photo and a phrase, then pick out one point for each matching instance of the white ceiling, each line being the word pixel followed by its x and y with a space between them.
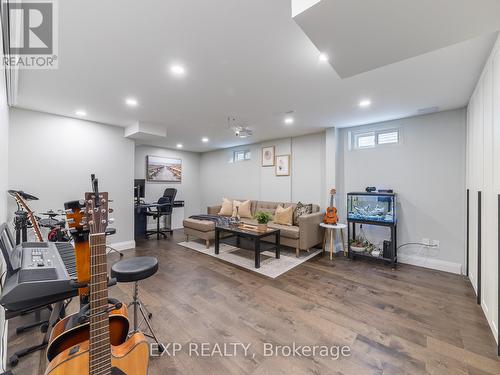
pixel 244 58
pixel 362 35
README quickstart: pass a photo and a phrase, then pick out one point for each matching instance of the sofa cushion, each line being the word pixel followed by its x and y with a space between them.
pixel 201 225
pixel 301 209
pixel 288 231
pixel 269 207
pixel 283 215
pixel 226 208
pixel 242 208
pixel 249 221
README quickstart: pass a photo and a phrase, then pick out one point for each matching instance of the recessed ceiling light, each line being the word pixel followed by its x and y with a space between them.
pixel 323 57
pixel 288 120
pixel 204 139
pixel 179 145
pixel 365 103
pixel 131 102
pixel 178 70
pixel 81 113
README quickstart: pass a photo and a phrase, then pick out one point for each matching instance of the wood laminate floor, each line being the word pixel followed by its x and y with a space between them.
pixel 408 321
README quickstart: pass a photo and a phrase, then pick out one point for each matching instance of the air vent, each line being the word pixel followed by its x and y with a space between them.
pixel 425 111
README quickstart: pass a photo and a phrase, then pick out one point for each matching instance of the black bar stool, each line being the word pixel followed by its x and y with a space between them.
pixel 133 270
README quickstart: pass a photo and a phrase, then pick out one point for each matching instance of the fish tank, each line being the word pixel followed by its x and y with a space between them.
pixel 372 207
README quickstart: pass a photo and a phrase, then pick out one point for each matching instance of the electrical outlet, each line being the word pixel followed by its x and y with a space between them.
pixel 426 241
pixel 435 244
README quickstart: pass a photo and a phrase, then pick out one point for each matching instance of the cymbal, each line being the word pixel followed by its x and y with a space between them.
pixel 23 195
pixel 48 223
pixel 51 213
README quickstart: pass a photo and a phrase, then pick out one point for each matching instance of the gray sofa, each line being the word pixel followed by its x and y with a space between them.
pixel 305 235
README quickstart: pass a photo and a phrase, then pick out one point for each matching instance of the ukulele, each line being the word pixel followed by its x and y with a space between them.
pixel 34 222
pixel 98 355
pixel 331 212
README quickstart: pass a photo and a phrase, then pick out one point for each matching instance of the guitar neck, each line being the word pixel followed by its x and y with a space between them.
pixel 100 347
pixel 31 216
pixel 36 228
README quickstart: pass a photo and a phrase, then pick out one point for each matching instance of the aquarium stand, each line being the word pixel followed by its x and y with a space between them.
pixel 390 258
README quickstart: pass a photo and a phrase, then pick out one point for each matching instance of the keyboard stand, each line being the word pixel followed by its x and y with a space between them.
pixel 43 323
pixel 57 311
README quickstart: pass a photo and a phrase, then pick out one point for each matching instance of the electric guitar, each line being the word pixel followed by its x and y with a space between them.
pixel 97 355
pixel 331 212
pixel 34 222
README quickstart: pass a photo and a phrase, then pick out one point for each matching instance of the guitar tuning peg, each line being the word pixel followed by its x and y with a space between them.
pixel 111 220
pixel 110 200
pixel 68 211
pixel 70 221
pixel 110 210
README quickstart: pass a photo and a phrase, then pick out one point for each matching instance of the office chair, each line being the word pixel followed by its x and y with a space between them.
pixel 164 208
pixel 170 193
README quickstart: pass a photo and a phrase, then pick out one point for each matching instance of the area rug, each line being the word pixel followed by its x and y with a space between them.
pixel 269 265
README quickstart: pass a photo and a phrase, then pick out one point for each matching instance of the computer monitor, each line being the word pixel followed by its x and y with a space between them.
pixel 139 188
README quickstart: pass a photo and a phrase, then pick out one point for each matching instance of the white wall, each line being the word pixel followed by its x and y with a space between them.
pixel 427 171
pixel 483 174
pixel 188 190
pixel 52 158
pixel 249 180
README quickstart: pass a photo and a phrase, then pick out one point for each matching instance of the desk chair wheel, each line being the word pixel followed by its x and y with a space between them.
pixel 110 232
pixel 14 360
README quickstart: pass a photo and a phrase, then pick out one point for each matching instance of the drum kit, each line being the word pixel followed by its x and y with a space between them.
pixel 55 221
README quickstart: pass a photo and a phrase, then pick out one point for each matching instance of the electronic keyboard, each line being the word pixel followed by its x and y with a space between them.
pixel 39 272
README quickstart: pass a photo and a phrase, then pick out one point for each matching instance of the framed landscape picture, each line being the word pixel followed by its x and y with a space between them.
pixel 283 165
pixel 268 156
pixel 162 169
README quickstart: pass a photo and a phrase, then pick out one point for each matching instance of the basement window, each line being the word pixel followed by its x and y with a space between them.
pixel 364 140
pixel 386 137
pixel 241 155
pixel 370 139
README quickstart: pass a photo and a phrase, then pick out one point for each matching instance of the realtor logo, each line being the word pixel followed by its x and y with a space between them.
pixel 32 34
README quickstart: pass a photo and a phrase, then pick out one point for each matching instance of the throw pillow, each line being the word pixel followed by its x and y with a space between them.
pixel 301 209
pixel 243 209
pixel 283 216
pixel 226 208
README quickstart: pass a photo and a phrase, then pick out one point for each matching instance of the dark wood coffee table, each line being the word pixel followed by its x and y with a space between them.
pixel 250 234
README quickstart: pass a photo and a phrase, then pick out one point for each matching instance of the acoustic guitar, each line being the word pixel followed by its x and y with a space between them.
pixel 97 355
pixel 75 218
pixel 74 328
pixel 34 222
pixel 331 212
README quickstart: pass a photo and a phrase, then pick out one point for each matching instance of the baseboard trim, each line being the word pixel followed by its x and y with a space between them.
pixel 435 264
pixel 125 245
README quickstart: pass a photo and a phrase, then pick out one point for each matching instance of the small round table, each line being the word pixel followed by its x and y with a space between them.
pixel 331 229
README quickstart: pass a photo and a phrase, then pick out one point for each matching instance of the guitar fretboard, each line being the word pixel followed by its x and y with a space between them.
pixel 100 348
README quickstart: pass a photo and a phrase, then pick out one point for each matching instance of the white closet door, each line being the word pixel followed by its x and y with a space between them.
pixel 473 175
pixel 488 256
pixel 496 186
